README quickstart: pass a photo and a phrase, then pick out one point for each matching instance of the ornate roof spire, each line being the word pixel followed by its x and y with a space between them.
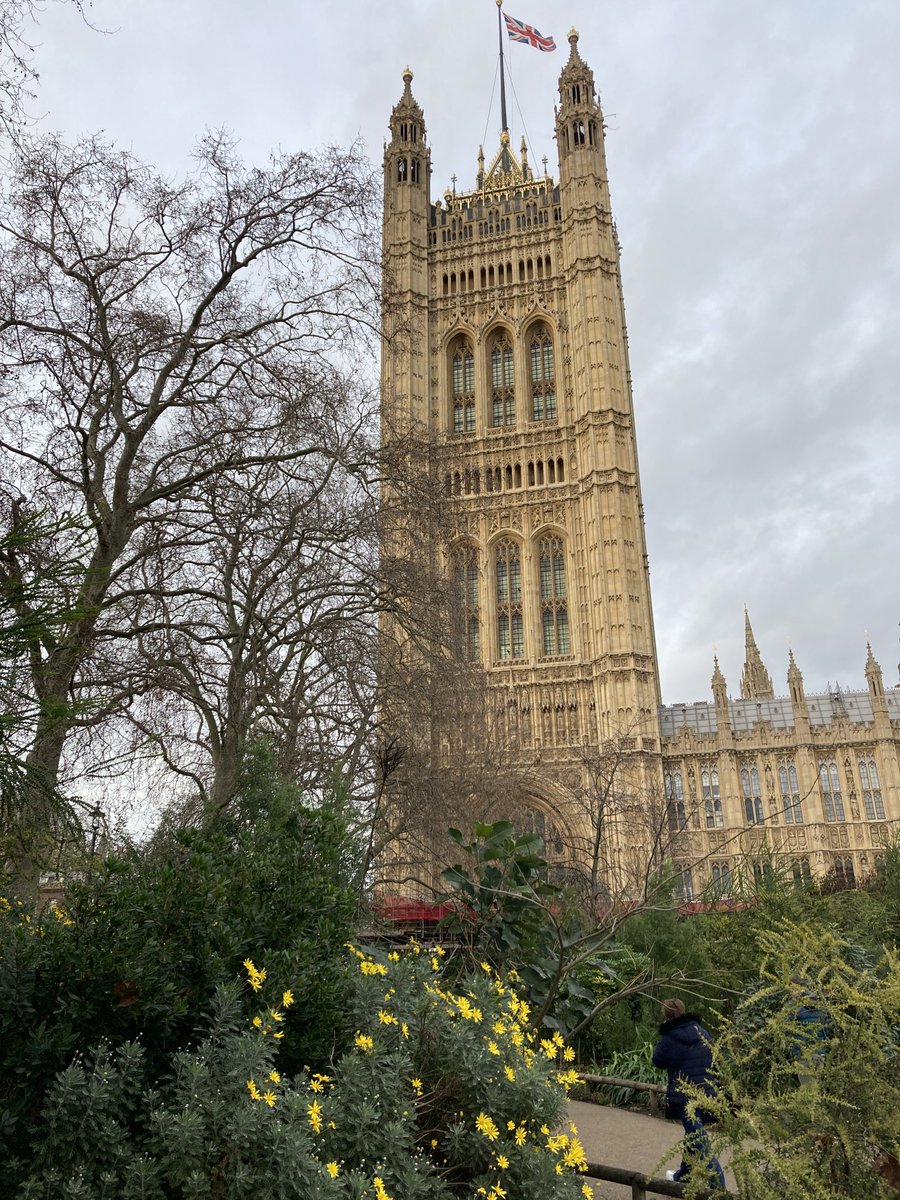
pixel 719 686
pixel 756 683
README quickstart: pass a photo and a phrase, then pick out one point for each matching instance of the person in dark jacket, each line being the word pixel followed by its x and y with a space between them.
pixel 683 1050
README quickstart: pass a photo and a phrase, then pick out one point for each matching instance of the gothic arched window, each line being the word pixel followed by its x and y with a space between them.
pixel 675 801
pixel 462 385
pixel 503 392
pixel 830 784
pixel 790 794
pixel 510 630
pixel 555 640
pixel 465 578
pixel 753 809
pixel 709 782
pixel 721 879
pixel 871 789
pixel 543 379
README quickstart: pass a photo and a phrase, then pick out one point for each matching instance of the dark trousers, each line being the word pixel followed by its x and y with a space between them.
pixel 696 1145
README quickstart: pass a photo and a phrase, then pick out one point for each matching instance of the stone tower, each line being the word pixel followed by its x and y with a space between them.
pixel 505 349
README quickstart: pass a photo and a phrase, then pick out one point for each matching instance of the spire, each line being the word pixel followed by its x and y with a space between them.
pixel 407 124
pixel 719 686
pixel 407 159
pixel 756 683
pixel 795 686
pixel 873 675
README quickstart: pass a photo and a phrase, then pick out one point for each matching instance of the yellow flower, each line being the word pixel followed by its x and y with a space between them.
pixel 386 1018
pixel 276 1015
pixel 521 1135
pixel 279 1035
pixel 509 1073
pixel 269 1098
pixel 257 1021
pixel 502 1162
pixel 484 1124
pixel 486 966
pixel 587 1191
pixel 253 1090
pixel 315 1116
pixel 393 956
pixel 545 1129
pixel 493 1048
pixel 510 1125
pixel 569 1054
pixel 254 977
pixel 372 968
pixel 275 1077
pixel 316 1085
pixel 498 1027
pixel 516 1037
pixel 416 1085
pixel 404 1029
pixel 435 963
pixel 434 1143
pixel 548 1047
pixel 333 1169
pixel 497 1190
pixel 287 998
pixel 380 1193
pixel 364 1042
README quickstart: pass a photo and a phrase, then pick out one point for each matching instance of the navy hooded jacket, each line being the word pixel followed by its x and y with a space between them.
pixel 684 1051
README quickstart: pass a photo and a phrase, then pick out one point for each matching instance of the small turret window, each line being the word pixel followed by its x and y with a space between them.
pixel 578 133
pixel 503 394
pixel 462 386
pixel 543 385
pixel 414 173
pixel 401 170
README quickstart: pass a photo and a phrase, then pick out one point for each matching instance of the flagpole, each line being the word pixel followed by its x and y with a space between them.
pixel 502 73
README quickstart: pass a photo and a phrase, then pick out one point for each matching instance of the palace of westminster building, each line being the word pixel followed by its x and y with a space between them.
pixel 514 366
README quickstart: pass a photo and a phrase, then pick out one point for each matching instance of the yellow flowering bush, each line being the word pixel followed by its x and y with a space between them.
pixel 451 1096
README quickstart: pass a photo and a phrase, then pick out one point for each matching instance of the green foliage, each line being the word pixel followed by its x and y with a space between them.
pixel 633 1064
pixel 512 914
pixel 441 1094
pixel 139 948
pixel 811 1110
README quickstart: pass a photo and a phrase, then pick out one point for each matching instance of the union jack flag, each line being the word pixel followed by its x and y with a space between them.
pixel 520 32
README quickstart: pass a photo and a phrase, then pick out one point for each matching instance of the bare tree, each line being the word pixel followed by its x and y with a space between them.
pixel 157 339
pixel 18 75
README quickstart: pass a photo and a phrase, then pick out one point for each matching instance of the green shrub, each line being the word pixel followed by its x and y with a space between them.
pixel 138 949
pixel 442 1093
pixel 811 1113
pixel 635 1064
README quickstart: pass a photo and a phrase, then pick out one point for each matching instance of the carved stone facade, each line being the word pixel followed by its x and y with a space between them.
pixel 505 351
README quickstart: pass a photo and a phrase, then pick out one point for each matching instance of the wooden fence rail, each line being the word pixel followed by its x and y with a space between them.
pixel 641 1185
pixel 654 1090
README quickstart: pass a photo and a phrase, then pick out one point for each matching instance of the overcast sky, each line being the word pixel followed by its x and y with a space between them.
pixel 754 159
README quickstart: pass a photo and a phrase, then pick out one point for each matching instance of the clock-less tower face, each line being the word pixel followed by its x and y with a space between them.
pixel 512 367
